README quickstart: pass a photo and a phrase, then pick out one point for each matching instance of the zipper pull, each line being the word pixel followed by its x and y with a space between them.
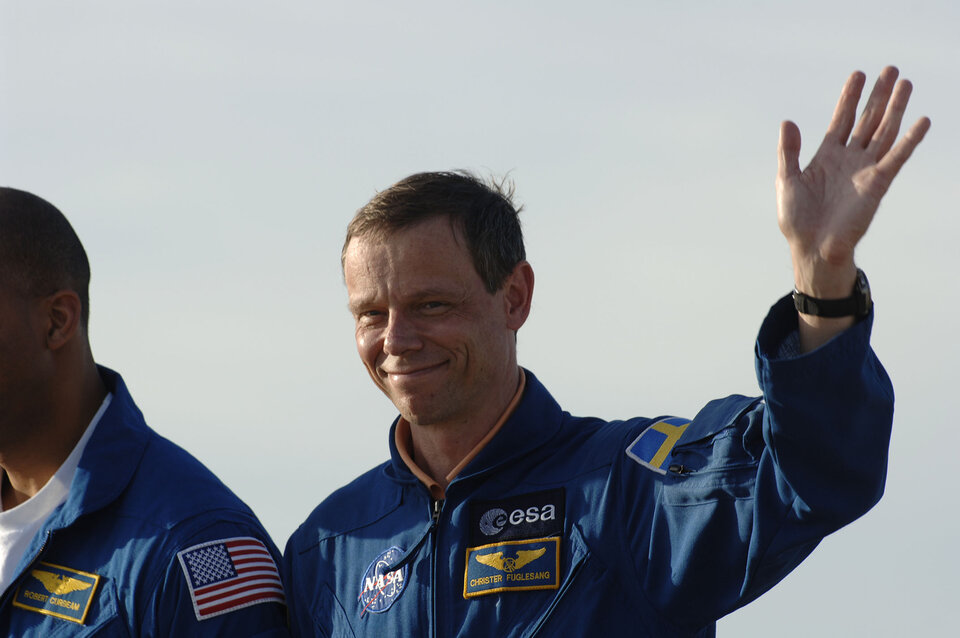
pixel 437 506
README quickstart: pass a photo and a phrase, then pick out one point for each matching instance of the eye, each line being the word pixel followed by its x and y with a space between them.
pixel 366 317
pixel 434 307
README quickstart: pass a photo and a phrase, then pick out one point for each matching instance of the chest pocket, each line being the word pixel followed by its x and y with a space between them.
pixel 718 454
pixel 586 602
pixel 102 619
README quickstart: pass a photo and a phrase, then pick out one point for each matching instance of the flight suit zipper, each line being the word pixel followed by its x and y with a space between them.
pixel 436 510
pixel 10 588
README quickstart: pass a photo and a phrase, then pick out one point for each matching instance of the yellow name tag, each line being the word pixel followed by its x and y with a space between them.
pixel 512 566
pixel 58 591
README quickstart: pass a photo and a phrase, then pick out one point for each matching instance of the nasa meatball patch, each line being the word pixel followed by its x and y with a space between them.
pixel 526 516
pixel 381 584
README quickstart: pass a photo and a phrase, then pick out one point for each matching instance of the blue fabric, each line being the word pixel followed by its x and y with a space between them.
pixel 755 483
pixel 135 501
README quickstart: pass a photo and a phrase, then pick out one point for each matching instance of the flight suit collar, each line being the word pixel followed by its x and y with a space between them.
pixel 110 459
pixel 535 420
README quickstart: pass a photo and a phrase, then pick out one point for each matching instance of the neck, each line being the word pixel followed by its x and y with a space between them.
pixel 48 434
pixel 438 453
pixel 439 449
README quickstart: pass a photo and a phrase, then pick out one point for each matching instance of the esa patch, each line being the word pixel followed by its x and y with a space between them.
pixel 531 515
pixel 652 448
pixel 381 585
pixel 58 591
pixel 512 566
pixel 229 574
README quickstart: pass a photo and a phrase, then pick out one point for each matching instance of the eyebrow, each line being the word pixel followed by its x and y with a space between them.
pixel 353 305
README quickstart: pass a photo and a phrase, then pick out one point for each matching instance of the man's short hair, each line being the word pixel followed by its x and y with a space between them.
pixel 483 212
pixel 39 251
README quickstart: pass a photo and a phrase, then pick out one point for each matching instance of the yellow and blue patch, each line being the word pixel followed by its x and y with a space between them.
pixel 652 448
pixel 58 591
pixel 512 566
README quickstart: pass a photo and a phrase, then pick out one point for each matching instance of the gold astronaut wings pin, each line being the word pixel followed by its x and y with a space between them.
pixel 524 557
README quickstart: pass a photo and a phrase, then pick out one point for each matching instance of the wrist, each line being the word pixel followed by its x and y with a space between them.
pixel 824 280
pixel 857 304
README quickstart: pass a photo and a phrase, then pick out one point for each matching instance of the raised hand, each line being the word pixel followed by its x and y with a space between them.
pixel 825 209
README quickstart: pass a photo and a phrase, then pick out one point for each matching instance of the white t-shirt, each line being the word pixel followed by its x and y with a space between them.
pixel 19 524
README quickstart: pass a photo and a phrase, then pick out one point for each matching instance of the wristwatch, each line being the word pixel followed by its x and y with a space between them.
pixel 857 305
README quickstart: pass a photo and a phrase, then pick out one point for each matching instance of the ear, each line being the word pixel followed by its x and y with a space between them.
pixel 62 312
pixel 518 295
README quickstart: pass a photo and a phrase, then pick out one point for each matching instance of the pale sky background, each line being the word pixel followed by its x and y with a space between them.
pixel 210 154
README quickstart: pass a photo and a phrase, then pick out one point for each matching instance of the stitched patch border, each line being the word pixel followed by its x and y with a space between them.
pixel 523 565
pixel 229 574
pixel 69 592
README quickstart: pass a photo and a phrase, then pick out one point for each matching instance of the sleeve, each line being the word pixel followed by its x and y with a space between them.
pixel 220 581
pixel 753 485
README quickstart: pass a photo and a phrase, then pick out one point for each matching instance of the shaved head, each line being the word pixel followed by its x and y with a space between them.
pixel 39 251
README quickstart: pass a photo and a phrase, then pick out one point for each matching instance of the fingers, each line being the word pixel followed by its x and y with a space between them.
pixel 886 134
pixel 891 163
pixel 877 129
pixel 876 107
pixel 846 111
pixel 788 151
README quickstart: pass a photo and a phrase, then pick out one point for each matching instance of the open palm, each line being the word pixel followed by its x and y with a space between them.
pixel 825 209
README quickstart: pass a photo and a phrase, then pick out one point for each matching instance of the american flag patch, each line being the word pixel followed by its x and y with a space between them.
pixel 230 574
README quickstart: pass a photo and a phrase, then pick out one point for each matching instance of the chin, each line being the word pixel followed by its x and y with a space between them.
pixel 416 408
pixel 420 415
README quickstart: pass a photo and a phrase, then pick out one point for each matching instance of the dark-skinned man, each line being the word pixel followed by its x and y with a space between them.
pixel 106 528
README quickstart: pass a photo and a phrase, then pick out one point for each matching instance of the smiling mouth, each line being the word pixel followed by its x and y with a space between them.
pixel 403 375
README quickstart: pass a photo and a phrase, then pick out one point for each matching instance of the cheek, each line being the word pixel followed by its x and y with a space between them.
pixel 367 346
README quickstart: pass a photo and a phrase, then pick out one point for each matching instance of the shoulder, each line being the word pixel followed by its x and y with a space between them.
pixel 358 504
pixel 165 501
pixel 592 443
pixel 134 469
pixel 205 543
pixel 178 487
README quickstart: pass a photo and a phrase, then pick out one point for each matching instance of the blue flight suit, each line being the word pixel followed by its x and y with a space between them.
pixel 567 526
pixel 112 560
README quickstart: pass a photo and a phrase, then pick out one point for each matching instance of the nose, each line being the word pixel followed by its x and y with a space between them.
pixel 401 335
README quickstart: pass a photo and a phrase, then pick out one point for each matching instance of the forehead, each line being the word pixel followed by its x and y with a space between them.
pixel 429 254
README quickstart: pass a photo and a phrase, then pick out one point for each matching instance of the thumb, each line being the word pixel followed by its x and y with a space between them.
pixel 788 151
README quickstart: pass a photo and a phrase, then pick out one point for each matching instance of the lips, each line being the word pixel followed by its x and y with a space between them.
pixel 401 375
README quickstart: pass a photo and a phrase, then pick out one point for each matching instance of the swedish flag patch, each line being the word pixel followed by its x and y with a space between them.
pixel 652 448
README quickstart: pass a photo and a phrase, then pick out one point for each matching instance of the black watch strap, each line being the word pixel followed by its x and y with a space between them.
pixel 856 305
